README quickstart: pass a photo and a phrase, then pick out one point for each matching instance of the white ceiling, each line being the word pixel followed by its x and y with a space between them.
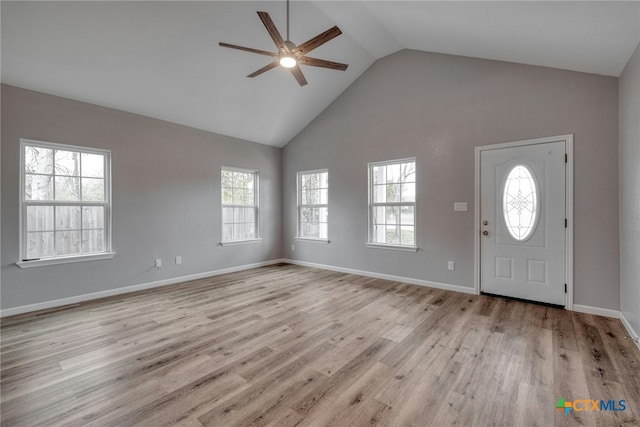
pixel 161 59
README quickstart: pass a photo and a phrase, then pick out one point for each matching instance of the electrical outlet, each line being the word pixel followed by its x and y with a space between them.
pixel 293 247
pixel 451 265
pixel 178 260
pixel 158 262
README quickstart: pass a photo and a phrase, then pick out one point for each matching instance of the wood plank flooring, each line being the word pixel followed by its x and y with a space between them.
pixel 293 346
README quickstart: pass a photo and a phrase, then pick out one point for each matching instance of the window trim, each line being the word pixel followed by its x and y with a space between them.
pixel 312 240
pixel 370 205
pixel 299 206
pixel 65 259
pixel 240 242
pixel 392 246
pixel 108 205
pixel 256 206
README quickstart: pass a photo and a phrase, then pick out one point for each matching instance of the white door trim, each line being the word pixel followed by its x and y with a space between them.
pixel 568 140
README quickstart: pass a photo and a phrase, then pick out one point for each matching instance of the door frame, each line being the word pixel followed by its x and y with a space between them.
pixel 568 140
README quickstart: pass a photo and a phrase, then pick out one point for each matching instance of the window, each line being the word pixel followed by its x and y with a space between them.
pixel 65 202
pixel 313 204
pixel 239 205
pixel 392 204
pixel 519 203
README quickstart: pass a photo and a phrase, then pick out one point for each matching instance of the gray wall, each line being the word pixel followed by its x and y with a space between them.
pixel 438 108
pixel 166 196
pixel 629 159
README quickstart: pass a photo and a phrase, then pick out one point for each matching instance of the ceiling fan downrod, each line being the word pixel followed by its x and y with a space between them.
pixel 288 21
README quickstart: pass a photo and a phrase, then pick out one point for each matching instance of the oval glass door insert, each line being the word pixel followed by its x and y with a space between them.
pixel 520 202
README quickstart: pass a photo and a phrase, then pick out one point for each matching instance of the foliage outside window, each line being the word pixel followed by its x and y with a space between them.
pixel 313 204
pixel 65 207
pixel 392 203
pixel 239 205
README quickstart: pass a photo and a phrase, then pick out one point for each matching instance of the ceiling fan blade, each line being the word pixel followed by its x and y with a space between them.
pixel 273 31
pixel 314 62
pixel 267 67
pixel 248 49
pixel 297 73
pixel 318 40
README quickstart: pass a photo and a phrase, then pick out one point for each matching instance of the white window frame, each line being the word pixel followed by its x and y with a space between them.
pixel 376 245
pixel 299 235
pixel 107 204
pixel 256 206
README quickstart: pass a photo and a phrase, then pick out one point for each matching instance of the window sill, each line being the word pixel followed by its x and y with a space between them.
pixel 392 247
pixel 64 260
pixel 312 240
pixel 240 242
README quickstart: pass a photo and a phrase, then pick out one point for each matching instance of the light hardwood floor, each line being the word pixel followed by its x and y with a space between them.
pixel 287 345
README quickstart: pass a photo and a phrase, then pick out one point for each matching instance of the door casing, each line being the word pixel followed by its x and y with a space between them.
pixel 568 140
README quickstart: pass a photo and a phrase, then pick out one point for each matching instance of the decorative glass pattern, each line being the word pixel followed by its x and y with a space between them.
pixel 520 203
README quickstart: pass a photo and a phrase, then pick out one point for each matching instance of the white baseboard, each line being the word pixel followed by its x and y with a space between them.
pixel 127 289
pixel 159 283
pixel 596 310
pixel 632 333
pixel 419 282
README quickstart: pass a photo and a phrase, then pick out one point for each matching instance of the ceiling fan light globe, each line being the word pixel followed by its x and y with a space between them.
pixel 288 61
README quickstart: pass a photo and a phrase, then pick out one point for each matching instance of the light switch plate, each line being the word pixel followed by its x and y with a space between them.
pixel 460 206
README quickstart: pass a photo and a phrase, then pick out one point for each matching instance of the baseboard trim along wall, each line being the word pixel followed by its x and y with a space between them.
pixel 606 312
pixel 456 288
pixel 419 282
pixel 159 283
pixel 632 333
pixel 128 289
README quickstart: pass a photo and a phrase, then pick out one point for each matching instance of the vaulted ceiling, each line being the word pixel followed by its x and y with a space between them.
pixel 162 59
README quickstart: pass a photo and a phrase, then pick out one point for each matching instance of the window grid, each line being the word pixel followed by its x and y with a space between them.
pixel 313 204
pixel 239 195
pixel 56 240
pixel 392 207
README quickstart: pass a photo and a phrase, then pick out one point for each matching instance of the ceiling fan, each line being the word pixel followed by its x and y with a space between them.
pixel 289 55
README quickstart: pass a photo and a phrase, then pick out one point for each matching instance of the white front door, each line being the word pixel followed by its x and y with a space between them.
pixel 523 222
